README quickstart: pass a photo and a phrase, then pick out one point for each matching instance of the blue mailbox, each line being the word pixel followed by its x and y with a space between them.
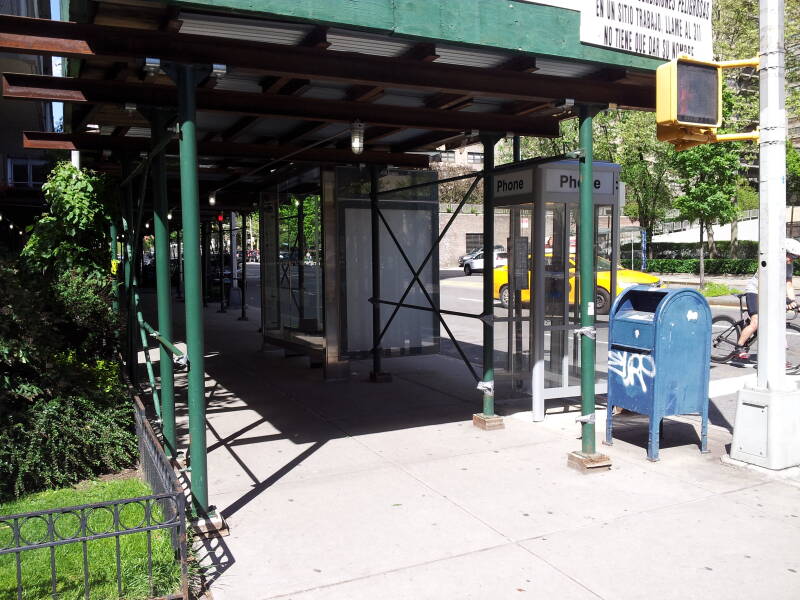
pixel 658 357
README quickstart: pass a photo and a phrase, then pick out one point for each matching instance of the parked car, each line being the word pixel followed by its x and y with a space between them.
pixel 602 301
pixel 467 256
pixel 475 263
pixel 471 254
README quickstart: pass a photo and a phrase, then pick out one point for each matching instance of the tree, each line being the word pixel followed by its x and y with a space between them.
pixel 708 176
pixel 646 170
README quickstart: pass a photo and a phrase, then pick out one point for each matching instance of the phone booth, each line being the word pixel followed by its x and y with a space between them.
pixel 538 290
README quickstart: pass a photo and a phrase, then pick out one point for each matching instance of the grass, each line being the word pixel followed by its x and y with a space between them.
pixel 712 290
pixel 101 553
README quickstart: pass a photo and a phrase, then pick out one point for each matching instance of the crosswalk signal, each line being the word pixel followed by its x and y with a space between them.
pixel 689 102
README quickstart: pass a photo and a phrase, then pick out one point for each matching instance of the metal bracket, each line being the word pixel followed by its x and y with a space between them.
pixel 588 331
pixel 585 419
pixel 487 387
pixel 488 319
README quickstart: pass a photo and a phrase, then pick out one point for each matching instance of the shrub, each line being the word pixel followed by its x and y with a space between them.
pixel 713 266
pixel 64 415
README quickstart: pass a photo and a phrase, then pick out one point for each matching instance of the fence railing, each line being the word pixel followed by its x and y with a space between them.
pixel 21 535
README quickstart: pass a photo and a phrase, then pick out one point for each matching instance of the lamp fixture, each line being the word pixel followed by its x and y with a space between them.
pixel 169 216
pixel 212 198
pixel 152 66
pixel 357 137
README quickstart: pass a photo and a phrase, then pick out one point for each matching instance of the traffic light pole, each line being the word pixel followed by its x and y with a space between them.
pixel 768 415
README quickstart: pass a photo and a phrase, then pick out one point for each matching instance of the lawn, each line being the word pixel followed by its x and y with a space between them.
pixel 713 290
pixel 101 553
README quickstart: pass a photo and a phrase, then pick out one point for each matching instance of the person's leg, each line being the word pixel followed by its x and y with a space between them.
pixel 749 330
pixel 752 327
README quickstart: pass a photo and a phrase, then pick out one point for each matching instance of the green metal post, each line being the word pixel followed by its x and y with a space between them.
pixel 163 291
pixel 587 283
pixel 112 232
pixel 204 233
pixel 190 210
pixel 221 253
pixel 487 386
pixel 376 274
pixel 243 287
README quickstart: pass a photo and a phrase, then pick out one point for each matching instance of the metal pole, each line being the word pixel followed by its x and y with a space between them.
pixel 163 288
pixel 517 149
pixel 587 281
pixel 487 384
pixel 112 233
pixel 190 210
pixel 772 190
pixel 243 287
pixel 179 286
pixel 301 256
pixel 204 231
pixel 376 274
pixel 221 254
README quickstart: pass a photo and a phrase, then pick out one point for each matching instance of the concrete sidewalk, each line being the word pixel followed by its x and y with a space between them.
pixel 355 490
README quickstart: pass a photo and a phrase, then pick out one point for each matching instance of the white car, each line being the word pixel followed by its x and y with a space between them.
pixel 476 262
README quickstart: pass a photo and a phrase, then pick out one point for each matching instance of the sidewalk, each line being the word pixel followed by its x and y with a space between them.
pixel 355 490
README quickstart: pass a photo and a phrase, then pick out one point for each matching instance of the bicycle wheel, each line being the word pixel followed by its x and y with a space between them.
pixel 792 334
pixel 724 336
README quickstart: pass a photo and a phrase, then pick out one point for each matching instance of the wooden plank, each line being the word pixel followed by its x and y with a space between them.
pixel 95 142
pixel 41 87
pixel 38 36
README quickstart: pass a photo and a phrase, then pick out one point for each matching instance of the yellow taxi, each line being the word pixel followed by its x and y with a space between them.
pixel 602 301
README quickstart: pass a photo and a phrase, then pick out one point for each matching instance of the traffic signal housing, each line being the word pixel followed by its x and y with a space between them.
pixel 689 102
pixel 689 93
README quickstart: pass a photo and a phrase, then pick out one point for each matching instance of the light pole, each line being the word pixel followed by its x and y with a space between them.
pixel 768 414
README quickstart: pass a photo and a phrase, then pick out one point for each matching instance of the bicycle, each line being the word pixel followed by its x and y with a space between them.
pixel 724 345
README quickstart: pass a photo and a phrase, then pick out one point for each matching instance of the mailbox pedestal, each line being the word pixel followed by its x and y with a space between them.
pixel 658 358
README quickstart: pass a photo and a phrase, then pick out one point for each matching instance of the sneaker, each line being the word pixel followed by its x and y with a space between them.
pixel 743 356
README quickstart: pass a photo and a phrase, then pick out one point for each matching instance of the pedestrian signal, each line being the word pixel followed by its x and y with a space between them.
pixel 689 102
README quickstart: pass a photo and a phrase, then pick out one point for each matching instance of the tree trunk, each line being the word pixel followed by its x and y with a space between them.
pixel 734 249
pixel 712 246
pixel 702 265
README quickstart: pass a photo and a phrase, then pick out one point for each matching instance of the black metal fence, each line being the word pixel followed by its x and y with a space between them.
pixel 150 570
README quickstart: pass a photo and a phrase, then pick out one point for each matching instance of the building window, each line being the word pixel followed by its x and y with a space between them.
pixel 448 156
pixel 474 241
pixel 475 158
pixel 27 172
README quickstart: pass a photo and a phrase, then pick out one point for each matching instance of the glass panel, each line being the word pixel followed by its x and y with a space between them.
pixel 19 172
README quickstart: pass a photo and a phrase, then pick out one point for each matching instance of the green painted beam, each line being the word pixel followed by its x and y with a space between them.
pixel 541 30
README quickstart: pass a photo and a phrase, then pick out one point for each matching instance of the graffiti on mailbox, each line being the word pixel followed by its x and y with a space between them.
pixel 632 368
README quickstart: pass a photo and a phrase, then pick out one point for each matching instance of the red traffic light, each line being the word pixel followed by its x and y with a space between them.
pixel 220 217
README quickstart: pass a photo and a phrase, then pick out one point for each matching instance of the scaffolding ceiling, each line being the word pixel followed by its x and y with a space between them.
pixel 287 86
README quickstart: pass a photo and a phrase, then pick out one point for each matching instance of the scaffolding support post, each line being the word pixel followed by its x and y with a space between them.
pixel 587 460
pixel 112 233
pixel 488 419
pixel 376 375
pixel 204 231
pixel 243 287
pixel 187 79
pixel 163 288
pixel 221 253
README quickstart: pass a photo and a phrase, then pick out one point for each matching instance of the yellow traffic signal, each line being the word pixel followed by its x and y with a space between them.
pixel 689 102
pixel 689 93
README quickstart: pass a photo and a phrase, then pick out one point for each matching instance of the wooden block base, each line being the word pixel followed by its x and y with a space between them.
pixel 211 526
pixel 488 422
pixel 588 463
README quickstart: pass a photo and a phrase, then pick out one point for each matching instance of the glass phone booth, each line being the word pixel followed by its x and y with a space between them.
pixel 537 307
